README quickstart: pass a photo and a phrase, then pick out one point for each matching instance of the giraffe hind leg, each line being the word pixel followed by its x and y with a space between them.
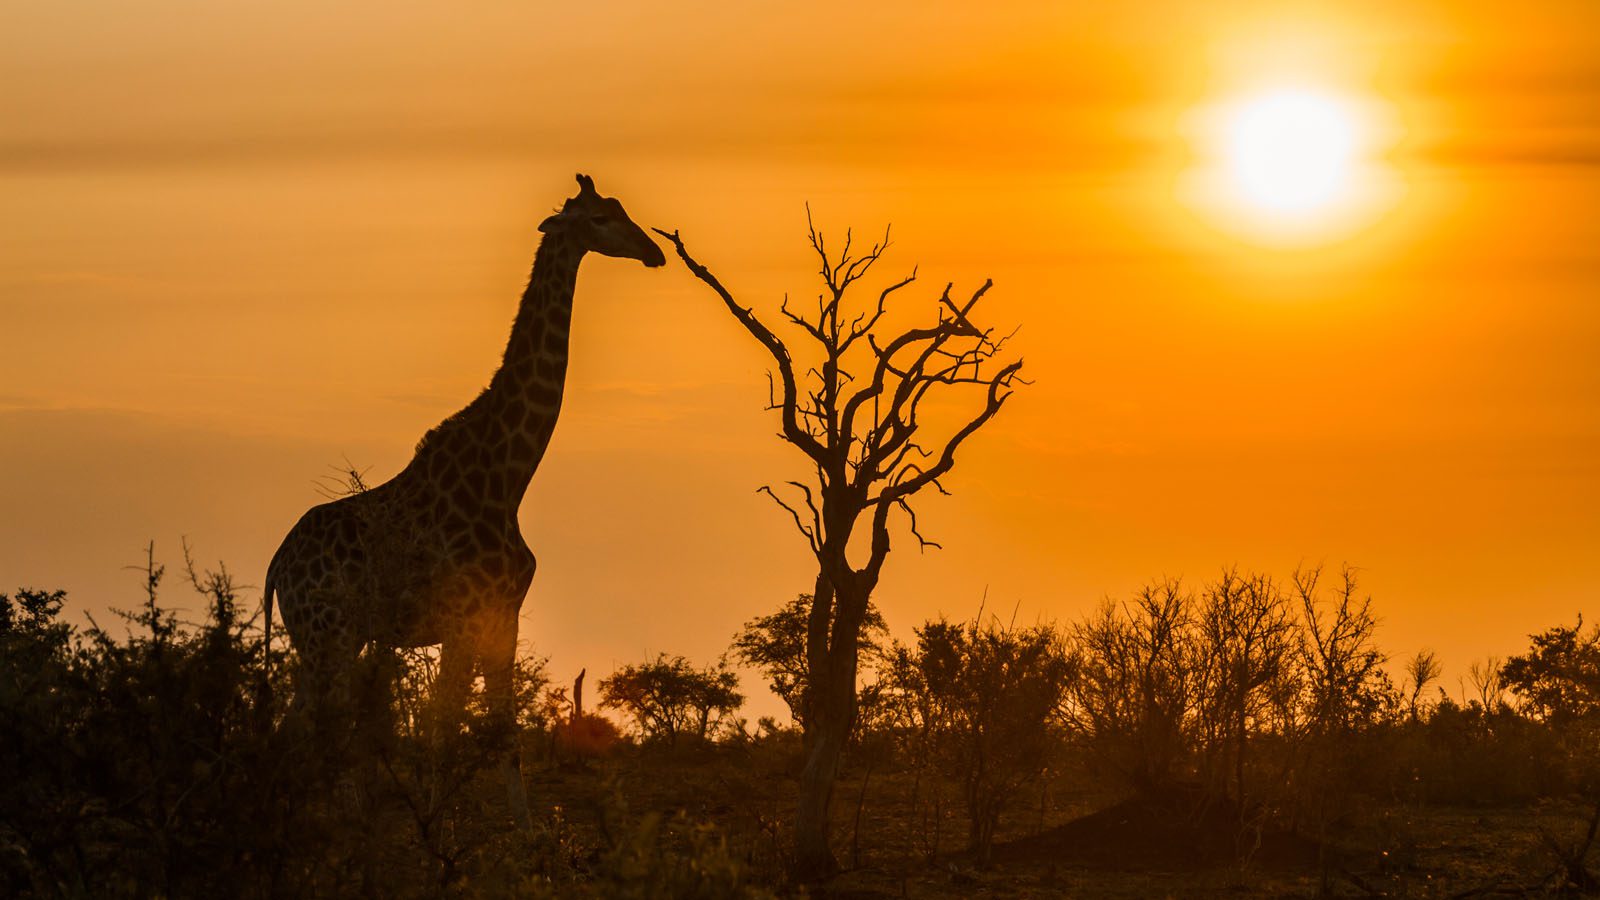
pixel 327 654
pixel 499 649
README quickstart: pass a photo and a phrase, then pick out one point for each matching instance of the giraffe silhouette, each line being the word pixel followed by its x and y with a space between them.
pixel 434 555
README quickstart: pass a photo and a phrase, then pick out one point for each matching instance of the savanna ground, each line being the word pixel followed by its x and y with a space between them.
pixel 1071 839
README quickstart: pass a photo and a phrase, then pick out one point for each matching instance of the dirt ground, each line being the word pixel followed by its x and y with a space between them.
pixel 1063 841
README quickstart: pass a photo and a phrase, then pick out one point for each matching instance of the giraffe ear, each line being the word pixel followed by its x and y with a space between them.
pixel 550 224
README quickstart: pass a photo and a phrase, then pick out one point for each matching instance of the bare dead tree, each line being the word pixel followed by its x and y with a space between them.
pixel 1249 650
pixel 1138 685
pixel 1488 687
pixel 1341 658
pixel 857 414
pixel 1344 693
pixel 1422 670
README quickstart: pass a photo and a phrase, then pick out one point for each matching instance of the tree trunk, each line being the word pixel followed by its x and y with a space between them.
pixel 813 856
pixel 861 804
pixel 818 627
pixel 831 712
pixel 1238 758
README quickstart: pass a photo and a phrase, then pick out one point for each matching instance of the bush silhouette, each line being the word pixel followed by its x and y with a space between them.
pixel 166 762
pixel 668 697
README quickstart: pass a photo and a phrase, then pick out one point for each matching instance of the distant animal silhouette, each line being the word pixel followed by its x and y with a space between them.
pixel 434 555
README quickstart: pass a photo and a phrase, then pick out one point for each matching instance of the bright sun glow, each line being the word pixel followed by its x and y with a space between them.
pixel 1291 151
pixel 1291 165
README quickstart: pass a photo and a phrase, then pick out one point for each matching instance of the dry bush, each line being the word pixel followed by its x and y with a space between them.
pixel 1137 686
pixel 1247 655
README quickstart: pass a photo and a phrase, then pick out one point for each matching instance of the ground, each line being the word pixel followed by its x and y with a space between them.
pixel 1061 841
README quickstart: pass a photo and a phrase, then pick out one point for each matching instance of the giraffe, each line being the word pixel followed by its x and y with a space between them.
pixel 434 555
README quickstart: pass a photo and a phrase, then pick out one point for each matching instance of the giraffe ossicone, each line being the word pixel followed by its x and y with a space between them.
pixel 434 555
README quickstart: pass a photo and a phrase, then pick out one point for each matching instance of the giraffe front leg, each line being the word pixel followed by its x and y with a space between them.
pixel 451 686
pixel 499 679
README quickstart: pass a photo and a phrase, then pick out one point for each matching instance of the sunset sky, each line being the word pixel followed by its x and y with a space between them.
pixel 241 243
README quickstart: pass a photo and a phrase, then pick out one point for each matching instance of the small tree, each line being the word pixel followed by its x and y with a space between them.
pixel 920 719
pixel 1341 661
pixel 1422 670
pixel 668 696
pixel 776 645
pixel 858 414
pixel 1001 686
pixel 1487 684
pixel 1248 651
pixel 1137 685
pixel 1558 679
pixel 1558 682
pixel 1345 691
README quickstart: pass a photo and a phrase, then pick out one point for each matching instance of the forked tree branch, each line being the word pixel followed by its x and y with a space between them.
pixel 792 430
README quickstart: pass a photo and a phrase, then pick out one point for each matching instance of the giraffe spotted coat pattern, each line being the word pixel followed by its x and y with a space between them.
pixel 434 555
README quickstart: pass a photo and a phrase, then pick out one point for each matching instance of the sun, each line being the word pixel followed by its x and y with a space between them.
pixel 1291 151
pixel 1290 164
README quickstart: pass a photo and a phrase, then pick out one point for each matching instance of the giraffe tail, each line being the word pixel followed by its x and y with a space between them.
pixel 267 594
pixel 264 690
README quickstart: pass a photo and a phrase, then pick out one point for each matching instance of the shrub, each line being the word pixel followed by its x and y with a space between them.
pixel 163 762
pixel 986 695
pixel 668 696
pixel 1137 686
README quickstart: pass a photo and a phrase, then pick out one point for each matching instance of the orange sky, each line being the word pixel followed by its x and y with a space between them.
pixel 242 242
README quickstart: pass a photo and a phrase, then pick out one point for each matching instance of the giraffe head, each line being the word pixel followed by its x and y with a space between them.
pixel 599 224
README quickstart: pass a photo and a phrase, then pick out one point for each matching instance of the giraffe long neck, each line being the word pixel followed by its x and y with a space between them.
pixel 488 452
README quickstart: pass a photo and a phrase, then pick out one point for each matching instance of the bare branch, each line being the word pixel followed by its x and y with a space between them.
pixel 809 532
pixel 792 430
pixel 1000 389
pixel 796 319
pixel 922 542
